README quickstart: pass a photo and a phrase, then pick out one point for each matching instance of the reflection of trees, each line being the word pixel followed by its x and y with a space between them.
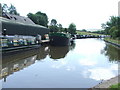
pixel 112 52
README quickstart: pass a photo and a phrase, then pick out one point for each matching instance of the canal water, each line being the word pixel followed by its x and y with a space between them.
pixel 84 64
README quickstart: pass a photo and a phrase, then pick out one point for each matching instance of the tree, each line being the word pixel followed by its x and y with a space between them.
pixel 72 28
pixel 39 18
pixel 83 30
pixel 103 26
pixel 112 27
pixel 53 26
pixel 53 22
pixel 5 8
pixel 12 10
pixel 60 28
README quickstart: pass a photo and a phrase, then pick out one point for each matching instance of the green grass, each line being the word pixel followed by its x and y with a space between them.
pixel 87 33
pixel 112 40
pixel 115 87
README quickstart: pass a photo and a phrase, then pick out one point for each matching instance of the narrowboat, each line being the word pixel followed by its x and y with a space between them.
pixel 17 42
pixel 60 39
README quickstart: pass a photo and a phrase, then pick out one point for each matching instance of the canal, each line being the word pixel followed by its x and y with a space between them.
pixel 84 64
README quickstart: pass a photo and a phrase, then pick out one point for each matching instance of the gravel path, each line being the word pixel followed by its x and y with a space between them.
pixel 107 83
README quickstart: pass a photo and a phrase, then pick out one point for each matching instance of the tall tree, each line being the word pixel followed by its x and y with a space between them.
pixel 5 8
pixel 39 18
pixel 12 10
pixel 53 26
pixel 60 28
pixel 112 27
pixel 53 22
pixel 72 28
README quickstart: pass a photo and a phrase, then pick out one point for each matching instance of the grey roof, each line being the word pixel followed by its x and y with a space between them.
pixel 20 19
pixel 18 25
pixel 28 22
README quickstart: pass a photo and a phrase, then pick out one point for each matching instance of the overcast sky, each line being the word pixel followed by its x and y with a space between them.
pixel 85 14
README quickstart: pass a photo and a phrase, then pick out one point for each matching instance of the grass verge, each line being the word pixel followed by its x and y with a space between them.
pixel 115 87
pixel 87 33
pixel 112 40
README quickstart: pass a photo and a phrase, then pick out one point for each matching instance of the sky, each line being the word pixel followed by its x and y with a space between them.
pixel 85 14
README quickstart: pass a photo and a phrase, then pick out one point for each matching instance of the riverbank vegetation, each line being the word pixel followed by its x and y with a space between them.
pixel 112 28
pixel 115 87
pixel 117 41
pixel 87 33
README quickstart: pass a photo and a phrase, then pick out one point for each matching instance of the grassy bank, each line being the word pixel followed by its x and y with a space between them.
pixel 115 87
pixel 112 40
pixel 87 33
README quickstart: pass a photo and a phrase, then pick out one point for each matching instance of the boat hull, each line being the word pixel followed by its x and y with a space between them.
pixel 59 41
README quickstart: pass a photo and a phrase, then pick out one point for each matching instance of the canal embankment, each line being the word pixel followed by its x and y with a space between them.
pixel 112 41
pixel 107 83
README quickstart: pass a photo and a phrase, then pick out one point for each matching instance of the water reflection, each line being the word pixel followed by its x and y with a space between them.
pixel 81 65
pixel 58 52
pixel 54 52
pixel 16 61
pixel 43 52
pixel 112 52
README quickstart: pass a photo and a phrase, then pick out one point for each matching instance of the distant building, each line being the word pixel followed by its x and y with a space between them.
pixel 18 25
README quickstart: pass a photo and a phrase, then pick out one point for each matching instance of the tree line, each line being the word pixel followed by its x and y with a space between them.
pixel 40 18
pixel 112 27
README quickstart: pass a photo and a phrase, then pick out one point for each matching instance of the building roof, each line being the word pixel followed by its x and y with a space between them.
pixel 18 25
pixel 17 18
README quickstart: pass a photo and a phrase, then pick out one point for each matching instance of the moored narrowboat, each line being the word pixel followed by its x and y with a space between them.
pixel 59 39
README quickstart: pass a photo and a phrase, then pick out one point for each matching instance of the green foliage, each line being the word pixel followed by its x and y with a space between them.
pixel 114 32
pixel 112 27
pixel 5 8
pixel 53 28
pixel 60 28
pixel 110 51
pixel 87 33
pixel 83 30
pixel 11 10
pixel 72 28
pixel 115 87
pixel 99 32
pixel 39 18
pixel 53 22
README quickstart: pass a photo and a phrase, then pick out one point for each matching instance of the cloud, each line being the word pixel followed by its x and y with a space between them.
pixel 87 62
